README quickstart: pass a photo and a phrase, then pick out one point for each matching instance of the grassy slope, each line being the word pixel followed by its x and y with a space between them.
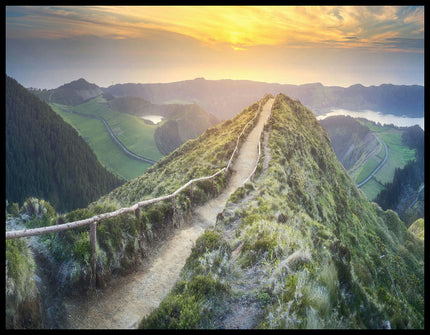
pixel 106 150
pixel 200 157
pixel 300 247
pixel 398 155
pixel 124 241
pixel 417 228
pixel 132 131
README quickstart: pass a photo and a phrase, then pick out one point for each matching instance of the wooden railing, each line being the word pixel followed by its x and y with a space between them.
pixel 136 207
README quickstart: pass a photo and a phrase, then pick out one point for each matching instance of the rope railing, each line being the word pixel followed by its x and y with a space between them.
pixel 97 218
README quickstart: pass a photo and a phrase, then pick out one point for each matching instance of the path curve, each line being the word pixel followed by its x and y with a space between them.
pixel 134 296
pixel 378 167
pixel 122 146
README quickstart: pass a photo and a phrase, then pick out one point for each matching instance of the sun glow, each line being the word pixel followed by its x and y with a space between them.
pixel 337 45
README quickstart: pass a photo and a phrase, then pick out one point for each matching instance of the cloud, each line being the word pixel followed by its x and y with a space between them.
pixel 404 43
pixel 241 27
pixel 182 42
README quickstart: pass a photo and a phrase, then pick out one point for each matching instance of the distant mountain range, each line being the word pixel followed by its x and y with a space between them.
pixel 226 98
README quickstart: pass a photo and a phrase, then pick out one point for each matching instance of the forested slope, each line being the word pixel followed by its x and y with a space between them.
pixel 46 158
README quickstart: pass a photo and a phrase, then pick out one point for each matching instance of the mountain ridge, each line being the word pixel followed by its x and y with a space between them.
pixel 298 247
pixel 224 98
pixel 386 98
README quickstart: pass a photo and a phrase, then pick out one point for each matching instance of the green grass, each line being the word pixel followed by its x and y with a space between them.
pixel 131 130
pixel 107 151
pixel 310 241
pixel 196 158
pixel 398 156
pixel 367 168
pixel 371 189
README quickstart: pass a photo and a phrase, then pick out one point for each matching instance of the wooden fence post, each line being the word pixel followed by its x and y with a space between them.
pixel 213 188
pixel 93 242
pixel 137 213
pixel 191 194
pixel 174 211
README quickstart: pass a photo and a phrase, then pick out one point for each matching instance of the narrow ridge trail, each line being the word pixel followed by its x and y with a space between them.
pixel 123 304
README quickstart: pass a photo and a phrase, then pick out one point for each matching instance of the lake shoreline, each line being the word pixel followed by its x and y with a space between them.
pixel 384 119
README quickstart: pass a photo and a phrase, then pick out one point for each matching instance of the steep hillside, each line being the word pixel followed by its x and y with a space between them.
pixel 225 98
pixel 300 247
pixel 399 184
pixel 73 93
pixel 134 105
pixel 199 157
pixel 417 228
pixel 46 158
pixel 405 193
pixel 352 142
pixel 123 242
pixel 181 121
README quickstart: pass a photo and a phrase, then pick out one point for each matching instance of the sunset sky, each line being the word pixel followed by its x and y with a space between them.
pixel 49 46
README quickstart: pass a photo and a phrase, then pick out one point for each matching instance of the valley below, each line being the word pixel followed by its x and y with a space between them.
pixel 273 234
pixel 123 304
pixel 214 167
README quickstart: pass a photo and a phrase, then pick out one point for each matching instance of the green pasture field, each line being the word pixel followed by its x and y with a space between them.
pixel 372 188
pixel 398 153
pixel 107 151
pixel 398 156
pixel 367 168
pixel 132 131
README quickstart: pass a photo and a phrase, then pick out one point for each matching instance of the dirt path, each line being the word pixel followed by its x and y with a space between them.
pixel 124 304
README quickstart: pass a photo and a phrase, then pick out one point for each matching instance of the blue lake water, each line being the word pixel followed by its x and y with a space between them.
pixel 398 121
pixel 154 118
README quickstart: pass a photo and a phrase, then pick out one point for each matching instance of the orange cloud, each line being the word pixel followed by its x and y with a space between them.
pixel 237 26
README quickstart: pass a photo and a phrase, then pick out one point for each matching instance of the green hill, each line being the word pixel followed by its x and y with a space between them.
pixel 300 247
pixel 123 242
pixel 181 122
pixel 399 182
pixel 141 137
pixel 352 142
pixel 46 158
pixel 107 151
pixel 73 93
pixel 417 228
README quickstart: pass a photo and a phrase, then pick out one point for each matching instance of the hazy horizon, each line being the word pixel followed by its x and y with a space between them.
pixel 169 82
pixel 47 47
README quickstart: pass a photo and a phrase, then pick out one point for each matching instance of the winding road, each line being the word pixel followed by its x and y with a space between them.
pixel 378 167
pixel 128 152
pixel 124 303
